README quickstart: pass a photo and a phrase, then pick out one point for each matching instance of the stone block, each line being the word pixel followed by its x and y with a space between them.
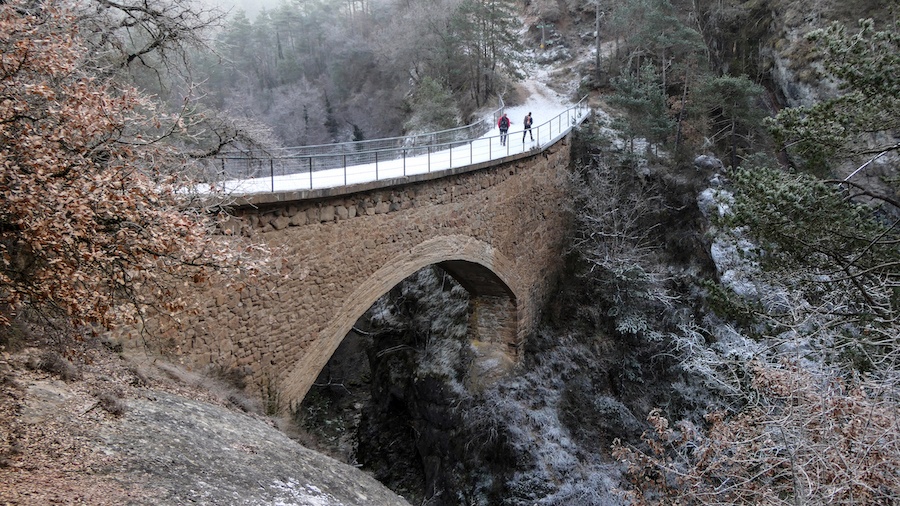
pixel 231 226
pixel 281 222
pixel 299 219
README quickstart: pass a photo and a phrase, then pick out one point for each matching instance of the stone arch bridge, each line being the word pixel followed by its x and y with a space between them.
pixel 498 227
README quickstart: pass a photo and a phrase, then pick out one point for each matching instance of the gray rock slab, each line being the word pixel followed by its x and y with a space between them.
pixel 189 452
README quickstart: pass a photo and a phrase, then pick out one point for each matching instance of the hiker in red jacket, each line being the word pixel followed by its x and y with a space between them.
pixel 503 124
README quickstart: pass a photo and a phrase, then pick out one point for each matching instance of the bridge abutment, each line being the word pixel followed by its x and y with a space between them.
pixel 493 320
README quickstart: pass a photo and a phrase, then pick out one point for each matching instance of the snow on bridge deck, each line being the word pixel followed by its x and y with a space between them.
pixel 553 119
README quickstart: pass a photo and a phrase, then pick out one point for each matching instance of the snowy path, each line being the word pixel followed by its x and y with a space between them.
pixel 553 118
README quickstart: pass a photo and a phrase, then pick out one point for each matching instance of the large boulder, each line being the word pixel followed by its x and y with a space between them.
pixel 193 452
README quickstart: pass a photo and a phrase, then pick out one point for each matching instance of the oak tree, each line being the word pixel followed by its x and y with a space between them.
pixel 93 213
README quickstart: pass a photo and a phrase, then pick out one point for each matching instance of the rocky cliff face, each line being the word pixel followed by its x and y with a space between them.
pixel 789 58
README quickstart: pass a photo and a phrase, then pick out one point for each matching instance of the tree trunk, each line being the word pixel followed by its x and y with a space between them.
pixel 597 29
pixel 680 120
pixel 733 145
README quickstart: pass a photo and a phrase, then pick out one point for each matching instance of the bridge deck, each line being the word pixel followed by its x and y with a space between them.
pixel 290 173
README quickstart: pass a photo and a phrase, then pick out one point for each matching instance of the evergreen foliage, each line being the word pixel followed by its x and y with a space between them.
pixel 840 234
pixel 659 56
pixel 733 104
pixel 433 108
pixel 643 101
pixel 486 31
pixel 841 256
pixel 813 417
pixel 858 123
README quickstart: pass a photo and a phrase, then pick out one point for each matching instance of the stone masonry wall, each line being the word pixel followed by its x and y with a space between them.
pixel 341 251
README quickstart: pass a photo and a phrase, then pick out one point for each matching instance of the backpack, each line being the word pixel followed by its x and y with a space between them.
pixel 504 122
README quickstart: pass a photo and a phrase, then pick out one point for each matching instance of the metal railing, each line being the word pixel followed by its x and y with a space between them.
pixel 331 165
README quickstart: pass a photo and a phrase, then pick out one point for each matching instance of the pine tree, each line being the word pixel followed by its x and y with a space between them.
pixel 642 99
pixel 733 104
pixel 859 123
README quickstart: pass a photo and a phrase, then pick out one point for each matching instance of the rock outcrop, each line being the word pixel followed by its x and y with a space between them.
pixel 192 452
pixel 63 443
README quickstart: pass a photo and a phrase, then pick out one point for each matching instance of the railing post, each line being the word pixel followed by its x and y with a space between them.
pixel 344 157
pixel 404 162
pixel 428 165
pixel 471 155
pixel 272 173
pixel 376 166
pixel 310 174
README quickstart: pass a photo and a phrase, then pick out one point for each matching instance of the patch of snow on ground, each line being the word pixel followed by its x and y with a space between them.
pixel 300 495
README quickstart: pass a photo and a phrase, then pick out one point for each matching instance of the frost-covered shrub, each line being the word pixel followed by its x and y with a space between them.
pixel 618 247
pixel 809 438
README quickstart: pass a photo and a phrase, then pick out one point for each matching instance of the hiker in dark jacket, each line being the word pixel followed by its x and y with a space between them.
pixel 527 130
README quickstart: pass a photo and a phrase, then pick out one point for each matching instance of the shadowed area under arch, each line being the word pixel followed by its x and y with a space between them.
pixel 476 265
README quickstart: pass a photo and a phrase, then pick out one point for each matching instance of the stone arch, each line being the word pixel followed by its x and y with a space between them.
pixel 483 271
